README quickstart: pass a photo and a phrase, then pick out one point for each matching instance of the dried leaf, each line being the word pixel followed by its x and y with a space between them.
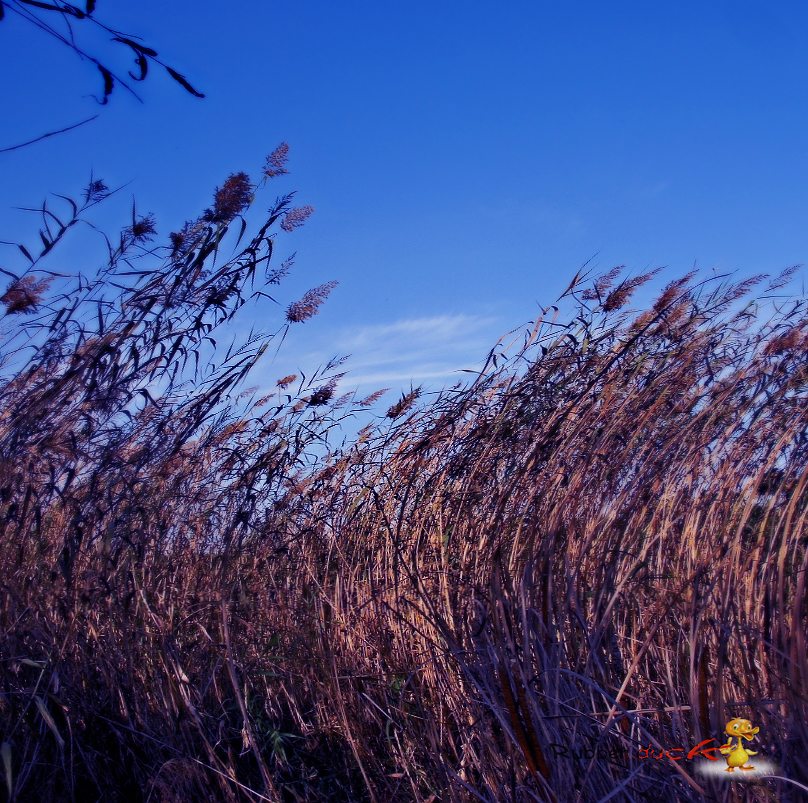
pixel 136 46
pixel 49 720
pixel 183 81
pixel 5 753
pixel 109 83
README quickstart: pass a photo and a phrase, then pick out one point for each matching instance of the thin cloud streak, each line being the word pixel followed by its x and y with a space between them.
pixel 430 350
pixel 380 378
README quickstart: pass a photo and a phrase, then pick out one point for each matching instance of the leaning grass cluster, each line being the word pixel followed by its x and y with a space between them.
pixel 505 592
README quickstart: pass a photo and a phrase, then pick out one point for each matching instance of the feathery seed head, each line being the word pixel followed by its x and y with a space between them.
pixel 308 306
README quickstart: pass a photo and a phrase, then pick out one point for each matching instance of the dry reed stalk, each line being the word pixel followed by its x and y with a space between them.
pixel 500 593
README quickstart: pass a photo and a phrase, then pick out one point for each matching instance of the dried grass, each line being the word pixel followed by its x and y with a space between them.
pixel 503 593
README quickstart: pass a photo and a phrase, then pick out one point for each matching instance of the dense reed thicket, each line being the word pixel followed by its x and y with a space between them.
pixel 505 592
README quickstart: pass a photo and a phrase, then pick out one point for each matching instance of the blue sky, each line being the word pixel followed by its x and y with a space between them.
pixel 464 159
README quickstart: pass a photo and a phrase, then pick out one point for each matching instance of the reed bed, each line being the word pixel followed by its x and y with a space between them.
pixel 521 588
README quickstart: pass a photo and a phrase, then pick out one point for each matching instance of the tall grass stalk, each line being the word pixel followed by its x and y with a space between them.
pixel 505 592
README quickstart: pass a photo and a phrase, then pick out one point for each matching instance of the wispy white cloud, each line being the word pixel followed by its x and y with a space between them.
pixel 430 350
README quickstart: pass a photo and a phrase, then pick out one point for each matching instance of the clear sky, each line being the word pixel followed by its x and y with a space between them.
pixel 464 159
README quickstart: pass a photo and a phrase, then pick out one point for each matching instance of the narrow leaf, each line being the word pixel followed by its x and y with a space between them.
pixel 109 83
pixel 142 65
pixel 183 81
pixel 146 51
pixel 49 721
pixel 46 242
pixel 5 752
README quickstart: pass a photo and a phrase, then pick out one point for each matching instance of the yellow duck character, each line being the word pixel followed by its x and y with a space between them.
pixel 738 756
